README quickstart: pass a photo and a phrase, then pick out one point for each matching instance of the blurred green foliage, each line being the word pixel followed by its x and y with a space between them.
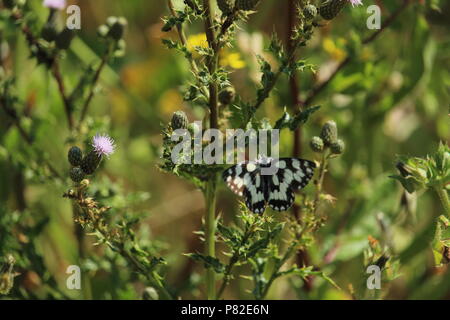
pixel 391 97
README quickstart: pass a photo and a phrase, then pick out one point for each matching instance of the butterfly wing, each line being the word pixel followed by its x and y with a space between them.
pixel 245 179
pixel 234 177
pixel 254 192
pixel 293 174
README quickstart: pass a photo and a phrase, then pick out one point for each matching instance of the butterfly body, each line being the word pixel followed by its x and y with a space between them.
pixel 276 189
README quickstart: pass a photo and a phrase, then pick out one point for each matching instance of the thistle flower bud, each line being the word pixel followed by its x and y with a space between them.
pixel 90 162
pixel 246 5
pixel 179 120
pixel 110 21
pixel 120 48
pixel 75 156
pixel 403 169
pixel 226 6
pixel 49 32
pixel 117 28
pixel 316 144
pixel 64 39
pixel 337 147
pixel 150 294
pixel 227 95
pixel 103 31
pixel 329 133
pixel 76 174
pixel 310 12
pixel 331 8
pixel 193 128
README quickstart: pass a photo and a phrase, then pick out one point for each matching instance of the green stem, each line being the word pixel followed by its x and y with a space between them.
pixel 227 274
pixel 79 235
pixel 289 252
pixel 152 277
pixel 97 225
pixel 210 230
pixel 234 259
pixel 210 191
pixel 443 196
pixel 319 182
pixel 93 85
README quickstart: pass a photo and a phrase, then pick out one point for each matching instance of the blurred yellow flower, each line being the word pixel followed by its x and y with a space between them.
pixel 196 40
pixel 335 52
pixel 170 102
pixel 121 111
pixel 233 59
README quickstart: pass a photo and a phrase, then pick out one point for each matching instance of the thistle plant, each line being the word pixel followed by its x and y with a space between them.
pixel 329 9
pixel 257 242
pixel 92 216
pixel 431 173
pixel 344 219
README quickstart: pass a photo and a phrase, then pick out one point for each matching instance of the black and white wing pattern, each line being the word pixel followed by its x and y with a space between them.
pixel 277 189
pixel 293 174
pixel 245 179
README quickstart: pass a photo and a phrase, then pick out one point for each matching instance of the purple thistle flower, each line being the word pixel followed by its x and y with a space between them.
pixel 356 2
pixel 103 145
pixel 55 4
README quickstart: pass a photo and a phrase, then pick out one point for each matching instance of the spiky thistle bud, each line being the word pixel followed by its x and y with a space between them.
pixel 247 5
pixel 329 133
pixel 110 21
pixel 337 147
pixel 90 162
pixel 310 11
pixel 76 174
pixel 226 6
pixel 194 129
pixel 331 8
pixel 49 32
pixel 103 30
pixel 403 169
pixel 118 28
pixel 227 95
pixel 179 120
pixel 75 156
pixel 316 144
pixel 64 39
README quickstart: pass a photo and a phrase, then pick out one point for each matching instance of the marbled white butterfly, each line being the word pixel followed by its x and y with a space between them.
pixel 277 189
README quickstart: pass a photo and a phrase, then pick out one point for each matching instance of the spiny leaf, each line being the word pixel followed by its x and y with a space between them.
pixel 210 262
pixel 302 117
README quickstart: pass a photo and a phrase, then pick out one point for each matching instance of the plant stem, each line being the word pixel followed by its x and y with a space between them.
pixel 53 66
pixel 289 252
pixel 183 40
pixel 212 63
pixel 210 192
pixel 62 90
pixel 210 230
pixel 234 259
pixel 119 246
pixel 227 274
pixel 92 90
pixel 319 182
pixel 443 196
